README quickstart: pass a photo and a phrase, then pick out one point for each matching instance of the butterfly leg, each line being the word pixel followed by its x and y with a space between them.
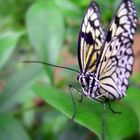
pixel 116 112
pixel 81 93
pixel 109 103
pixel 103 121
pixel 81 98
pixel 73 101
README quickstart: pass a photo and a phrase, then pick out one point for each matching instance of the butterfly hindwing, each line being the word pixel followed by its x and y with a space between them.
pixel 91 38
pixel 115 66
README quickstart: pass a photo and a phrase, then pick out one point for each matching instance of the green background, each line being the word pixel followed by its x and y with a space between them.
pixel 34 99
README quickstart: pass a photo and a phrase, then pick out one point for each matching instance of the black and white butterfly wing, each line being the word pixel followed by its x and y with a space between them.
pixel 115 66
pixel 91 38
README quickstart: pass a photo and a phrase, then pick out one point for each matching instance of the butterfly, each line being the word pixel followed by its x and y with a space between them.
pixel 106 59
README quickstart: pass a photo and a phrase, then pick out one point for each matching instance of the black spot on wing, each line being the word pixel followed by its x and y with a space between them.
pixel 117 20
pixel 109 35
pixel 82 34
pixel 89 39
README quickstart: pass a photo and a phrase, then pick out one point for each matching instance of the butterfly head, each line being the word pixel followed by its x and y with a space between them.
pixel 89 83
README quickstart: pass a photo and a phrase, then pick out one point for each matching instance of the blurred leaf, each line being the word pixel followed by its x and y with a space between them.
pixel 15 10
pixel 8 42
pixel 137 4
pixel 11 129
pixel 45 26
pixel 15 85
pixel 28 116
pixel 84 2
pixel 53 124
pixel 74 131
pixel 133 98
pixel 55 121
pixel 135 78
pixel 68 8
pixel 89 113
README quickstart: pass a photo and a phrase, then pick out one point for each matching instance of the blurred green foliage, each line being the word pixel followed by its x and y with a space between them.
pixel 42 30
pixel 14 11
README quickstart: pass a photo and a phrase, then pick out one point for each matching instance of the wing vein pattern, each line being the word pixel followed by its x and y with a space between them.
pixel 109 56
pixel 116 55
pixel 91 38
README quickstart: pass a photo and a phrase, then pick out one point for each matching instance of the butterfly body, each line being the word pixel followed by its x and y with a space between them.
pixel 106 59
pixel 89 83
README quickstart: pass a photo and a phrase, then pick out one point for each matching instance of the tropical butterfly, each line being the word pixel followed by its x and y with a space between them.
pixel 106 59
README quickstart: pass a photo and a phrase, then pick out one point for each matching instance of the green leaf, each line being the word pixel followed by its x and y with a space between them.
pixel 89 113
pixel 45 25
pixel 133 95
pixel 133 99
pixel 11 129
pixel 21 80
pixel 8 43
pixel 53 124
pixel 68 8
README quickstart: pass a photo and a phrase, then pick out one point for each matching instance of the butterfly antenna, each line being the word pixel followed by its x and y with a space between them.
pixel 44 63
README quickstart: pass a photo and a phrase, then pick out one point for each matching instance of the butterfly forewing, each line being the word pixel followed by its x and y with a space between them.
pixel 91 38
pixel 115 65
